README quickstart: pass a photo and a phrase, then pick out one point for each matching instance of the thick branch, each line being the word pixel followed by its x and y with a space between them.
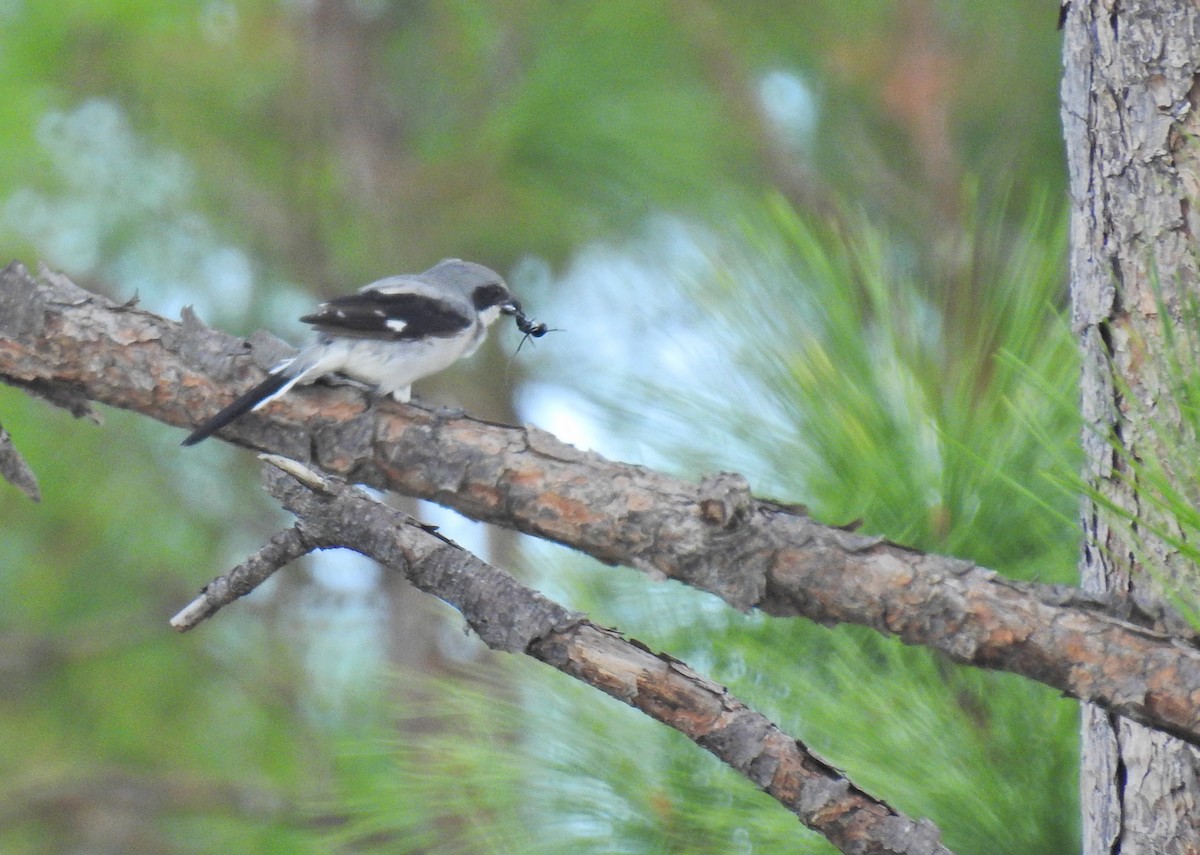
pixel 715 535
pixel 509 616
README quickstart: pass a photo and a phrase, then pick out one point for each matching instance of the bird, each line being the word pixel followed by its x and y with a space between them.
pixel 390 334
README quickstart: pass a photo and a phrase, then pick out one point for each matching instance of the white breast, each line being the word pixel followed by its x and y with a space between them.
pixel 393 366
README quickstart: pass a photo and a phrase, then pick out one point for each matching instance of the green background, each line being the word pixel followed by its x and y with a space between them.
pixel 821 244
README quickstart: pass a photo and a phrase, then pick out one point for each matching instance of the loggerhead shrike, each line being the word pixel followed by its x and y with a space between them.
pixel 390 334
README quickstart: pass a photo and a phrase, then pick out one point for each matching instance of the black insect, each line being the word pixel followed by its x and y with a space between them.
pixel 530 327
pixel 527 325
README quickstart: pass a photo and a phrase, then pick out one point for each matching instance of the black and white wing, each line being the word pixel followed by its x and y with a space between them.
pixel 393 310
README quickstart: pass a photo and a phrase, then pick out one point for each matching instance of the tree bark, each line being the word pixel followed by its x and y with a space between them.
pixel 71 347
pixel 1129 107
pixel 510 617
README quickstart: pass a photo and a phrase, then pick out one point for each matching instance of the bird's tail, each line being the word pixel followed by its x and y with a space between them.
pixel 247 401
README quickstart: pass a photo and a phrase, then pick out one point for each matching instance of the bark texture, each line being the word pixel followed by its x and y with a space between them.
pixel 1130 97
pixel 509 616
pixel 59 339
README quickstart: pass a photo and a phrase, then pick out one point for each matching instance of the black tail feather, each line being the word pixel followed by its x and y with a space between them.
pixel 244 404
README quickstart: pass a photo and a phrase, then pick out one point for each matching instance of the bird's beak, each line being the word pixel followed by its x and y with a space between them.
pixel 513 308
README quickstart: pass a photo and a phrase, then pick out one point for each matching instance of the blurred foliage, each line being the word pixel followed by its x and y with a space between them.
pixel 515 127
pixel 552 768
pixel 955 437
pixel 895 358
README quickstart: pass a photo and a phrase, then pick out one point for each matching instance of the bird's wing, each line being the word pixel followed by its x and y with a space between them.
pixel 390 314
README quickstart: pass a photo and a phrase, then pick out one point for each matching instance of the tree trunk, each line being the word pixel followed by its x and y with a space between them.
pixel 1129 106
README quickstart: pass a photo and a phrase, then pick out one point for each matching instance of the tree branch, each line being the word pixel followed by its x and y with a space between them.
pixel 284 548
pixel 511 617
pixel 15 470
pixel 715 536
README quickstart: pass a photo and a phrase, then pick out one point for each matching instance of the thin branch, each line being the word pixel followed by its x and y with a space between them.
pixel 15 470
pixel 715 535
pixel 511 617
pixel 282 549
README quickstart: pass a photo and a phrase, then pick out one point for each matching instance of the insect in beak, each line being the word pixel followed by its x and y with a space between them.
pixel 525 324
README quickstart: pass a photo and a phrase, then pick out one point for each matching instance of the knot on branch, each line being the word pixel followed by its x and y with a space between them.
pixel 725 499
